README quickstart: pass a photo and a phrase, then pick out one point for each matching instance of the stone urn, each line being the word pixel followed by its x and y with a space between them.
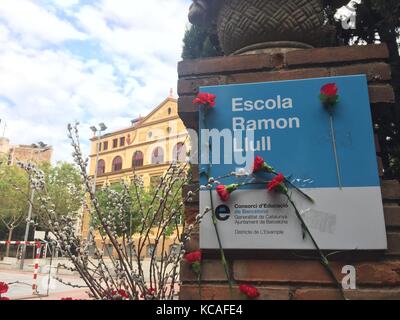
pixel 251 26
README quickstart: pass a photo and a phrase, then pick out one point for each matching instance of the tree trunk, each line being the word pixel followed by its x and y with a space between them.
pixel 389 36
pixel 10 233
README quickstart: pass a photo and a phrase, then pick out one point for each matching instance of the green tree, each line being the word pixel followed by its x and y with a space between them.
pixel 63 183
pixel 376 20
pixel 14 186
pixel 200 43
pixel 64 187
pixel 379 20
pixel 117 199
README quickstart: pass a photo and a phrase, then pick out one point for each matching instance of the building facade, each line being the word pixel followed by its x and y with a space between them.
pixel 145 149
pixel 24 153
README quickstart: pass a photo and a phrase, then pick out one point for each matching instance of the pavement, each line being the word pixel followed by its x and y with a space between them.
pixel 49 288
pixel 20 283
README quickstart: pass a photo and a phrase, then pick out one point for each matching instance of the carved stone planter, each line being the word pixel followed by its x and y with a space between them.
pixel 252 25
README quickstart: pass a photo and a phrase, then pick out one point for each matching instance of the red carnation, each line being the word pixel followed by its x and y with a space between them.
pixel 206 99
pixel 224 192
pixel 3 288
pixel 329 95
pixel 276 182
pixel 330 89
pixel 193 257
pixel 66 299
pixel 260 164
pixel 4 299
pixel 250 291
pixel 121 293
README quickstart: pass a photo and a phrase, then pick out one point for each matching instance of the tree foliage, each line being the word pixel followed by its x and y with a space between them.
pixel 110 196
pixel 200 43
pixel 14 186
pixel 377 20
pixel 63 183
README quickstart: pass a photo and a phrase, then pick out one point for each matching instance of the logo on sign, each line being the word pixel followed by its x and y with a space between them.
pixel 223 213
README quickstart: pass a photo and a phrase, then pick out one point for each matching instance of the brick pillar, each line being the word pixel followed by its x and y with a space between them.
pixel 287 274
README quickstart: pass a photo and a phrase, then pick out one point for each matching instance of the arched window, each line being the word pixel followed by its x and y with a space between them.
pixel 117 164
pixel 179 152
pixel 101 167
pixel 137 160
pixel 158 156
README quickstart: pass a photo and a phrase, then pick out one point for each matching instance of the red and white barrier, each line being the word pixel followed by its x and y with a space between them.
pixel 38 246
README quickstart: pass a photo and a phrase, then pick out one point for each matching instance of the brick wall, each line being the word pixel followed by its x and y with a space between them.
pixel 282 275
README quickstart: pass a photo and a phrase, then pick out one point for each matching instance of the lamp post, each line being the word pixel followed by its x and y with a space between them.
pixel 94 129
pixel 5 125
pixel 42 148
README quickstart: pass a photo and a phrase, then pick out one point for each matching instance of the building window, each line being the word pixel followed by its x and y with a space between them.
pixel 169 130
pixel 169 111
pixel 115 143
pixel 105 145
pixel 101 167
pixel 158 156
pixel 137 160
pixel 122 142
pixel 99 147
pixel 150 134
pixel 117 164
pixel 179 152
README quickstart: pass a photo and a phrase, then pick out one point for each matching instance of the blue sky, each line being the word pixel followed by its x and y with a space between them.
pixel 88 60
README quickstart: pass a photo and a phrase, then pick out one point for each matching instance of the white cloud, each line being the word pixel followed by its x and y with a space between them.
pixel 34 25
pixel 65 3
pixel 146 37
pixel 121 63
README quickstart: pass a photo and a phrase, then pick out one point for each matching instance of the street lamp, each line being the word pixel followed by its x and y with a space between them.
pixel 103 128
pixel 42 148
pixel 5 125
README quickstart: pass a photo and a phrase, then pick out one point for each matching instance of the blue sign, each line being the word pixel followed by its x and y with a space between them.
pixel 292 129
pixel 333 159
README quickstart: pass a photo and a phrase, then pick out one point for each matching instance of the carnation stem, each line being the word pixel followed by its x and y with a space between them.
pixel 223 258
pixel 296 188
pixel 335 150
pixel 300 191
pixel 323 259
pixel 199 281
